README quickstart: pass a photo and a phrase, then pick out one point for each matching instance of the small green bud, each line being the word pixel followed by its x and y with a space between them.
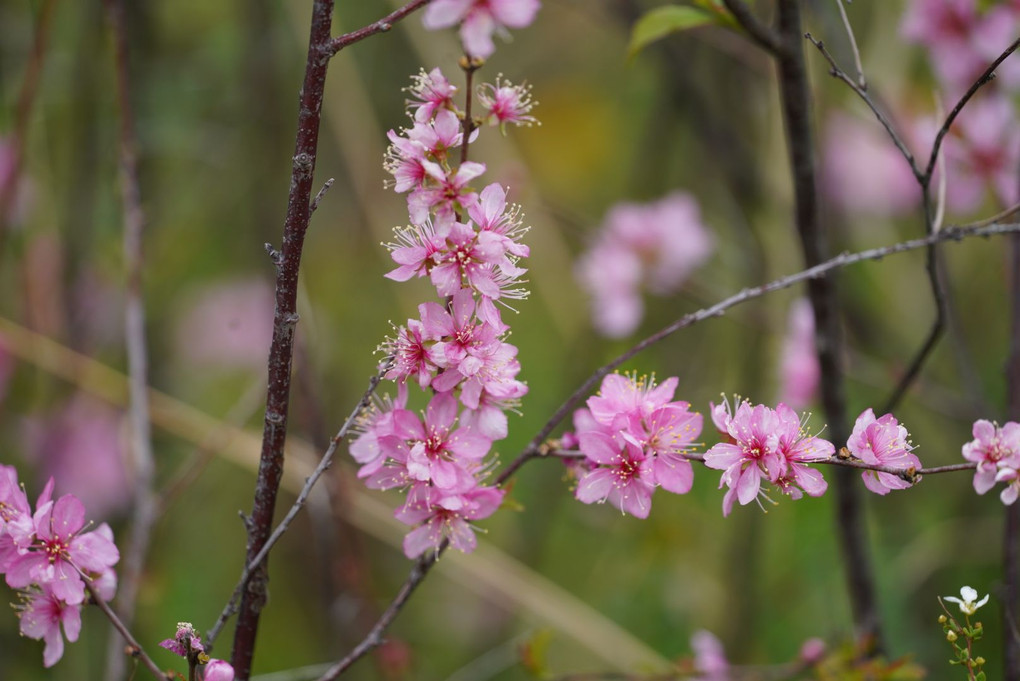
pixel 942 619
pixel 979 660
pixel 950 636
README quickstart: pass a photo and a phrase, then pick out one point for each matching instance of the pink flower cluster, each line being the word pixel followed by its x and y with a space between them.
pixel 634 438
pixel 468 245
pixel 996 451
pixel 479 19
pixel 983 148
pixel 188 644
pixel 765 444
pixel 654 246
pixel 47 557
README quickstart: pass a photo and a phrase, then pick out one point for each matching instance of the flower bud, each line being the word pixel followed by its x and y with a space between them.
pixel 950 636
pixel 942 619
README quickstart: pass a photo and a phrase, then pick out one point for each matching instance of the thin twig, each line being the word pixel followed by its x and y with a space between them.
pixel 761 34
pixel 134 647
pixel 944 130
pixel 143 513
pixel 302 498
pixel 862 83
pixel 318 197
pixel 381 26
pixel 836 72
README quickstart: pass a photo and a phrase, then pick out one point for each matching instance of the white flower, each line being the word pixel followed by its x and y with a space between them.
pixel 967 604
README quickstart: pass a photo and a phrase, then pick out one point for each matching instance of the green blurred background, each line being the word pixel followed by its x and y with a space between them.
pixel 215 87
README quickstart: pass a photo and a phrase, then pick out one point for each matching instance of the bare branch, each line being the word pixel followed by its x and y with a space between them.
pixel 381 26
pixel 862 83
pixel 318 197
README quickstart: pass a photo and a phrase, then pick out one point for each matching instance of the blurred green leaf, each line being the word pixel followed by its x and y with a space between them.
pixel 533 653
pixel 662 21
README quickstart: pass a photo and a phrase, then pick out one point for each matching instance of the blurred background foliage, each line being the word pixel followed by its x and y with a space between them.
pixel 215 87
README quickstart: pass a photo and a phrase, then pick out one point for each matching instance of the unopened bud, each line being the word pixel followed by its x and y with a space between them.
pixel 942 619
pixel 950 636
pixel 979 661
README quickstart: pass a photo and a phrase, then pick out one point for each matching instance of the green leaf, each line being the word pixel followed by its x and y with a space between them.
pixel 662 21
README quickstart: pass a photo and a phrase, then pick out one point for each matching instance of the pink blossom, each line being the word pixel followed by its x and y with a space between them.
pixel 479 19
pixel 654 245
pixel 431 92
pixel 185 641
pixel 862 172
pixel 624 476
pixel 490 214
pixel 798 449
pixel 799 370
pixel 709 657
pixel 404 160
pixel 1010 476
pixel 415 249
pixel 83 445
pixel 436 448
pixel 15 513
pixel 218 670
pixel 466 259
pixel 622 397
pixel 507 103
pixel 447 192
pixel 983 151
pixel 230 324
pixel 991 448
pixel 438 516
pixel 42 613
pixel 882 442
pixel 437 137
pixel 667 434
pixel 753 453
pixel 61 551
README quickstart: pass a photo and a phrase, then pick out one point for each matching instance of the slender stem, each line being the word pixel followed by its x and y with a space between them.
pixel 862 83
pixel 144 503
pixel 134 648
pixel 469 66
pixel 836 72
pixel 284 525
pixel 381 26
pixel 944 130
pixel 281 352
pixel 761 34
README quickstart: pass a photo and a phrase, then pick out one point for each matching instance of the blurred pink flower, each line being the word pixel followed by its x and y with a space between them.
pixel 863 172
pixel 709 656
pixel 656 245
pixel 218 670
pixel 81 447
pixel 983 151
pixel 230 325
pixel 799 371
pixel 479 19
pixel 961 42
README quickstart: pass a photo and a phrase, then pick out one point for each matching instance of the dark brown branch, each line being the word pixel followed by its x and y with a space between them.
pixel 143 514
pixel 381 26
pixel 134 649
pixel 284 525
pixel 281 352
pixel 762 35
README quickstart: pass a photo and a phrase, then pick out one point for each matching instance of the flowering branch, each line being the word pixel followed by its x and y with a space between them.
pixel 144 502
pixel 284 525
pixel 134 648
pixel 952 233
pixel 381 26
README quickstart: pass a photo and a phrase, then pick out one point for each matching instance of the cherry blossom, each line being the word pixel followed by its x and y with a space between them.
pixel 479 19
pixel 438 516
pixel 42 614
pixel 992 447
pixel 882 442
pixel 506 103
